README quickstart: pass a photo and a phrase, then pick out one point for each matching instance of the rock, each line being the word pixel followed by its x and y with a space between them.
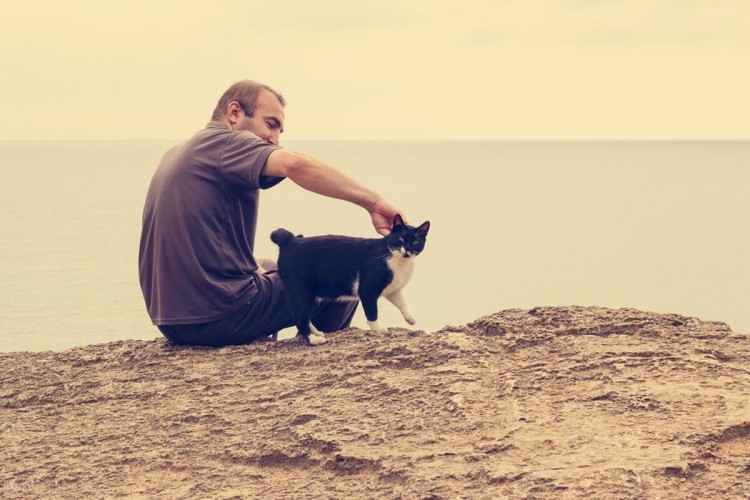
pixel 551 402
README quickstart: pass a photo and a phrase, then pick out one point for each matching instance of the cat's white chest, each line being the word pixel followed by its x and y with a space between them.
pixel 402 269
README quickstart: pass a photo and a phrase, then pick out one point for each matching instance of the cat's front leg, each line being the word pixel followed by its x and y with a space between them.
pixel 398 300
pixel 375 327
pixel 370 305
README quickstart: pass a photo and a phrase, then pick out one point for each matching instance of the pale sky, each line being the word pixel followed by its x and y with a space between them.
pixel 385 69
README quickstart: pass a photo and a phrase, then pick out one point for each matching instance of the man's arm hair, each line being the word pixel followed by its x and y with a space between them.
pixel 319 177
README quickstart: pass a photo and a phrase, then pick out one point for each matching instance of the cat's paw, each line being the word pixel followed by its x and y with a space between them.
pixel 410 319
pixel 316 339
pixel 375 327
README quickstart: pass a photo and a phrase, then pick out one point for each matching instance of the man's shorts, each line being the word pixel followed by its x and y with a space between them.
pixel 266 313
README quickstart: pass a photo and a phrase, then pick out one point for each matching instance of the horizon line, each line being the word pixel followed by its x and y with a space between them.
pixel 403 140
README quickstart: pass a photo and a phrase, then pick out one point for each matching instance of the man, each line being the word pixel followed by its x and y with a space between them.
pixel 200 279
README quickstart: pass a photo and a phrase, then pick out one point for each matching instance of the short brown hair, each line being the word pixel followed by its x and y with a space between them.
pixel 245 92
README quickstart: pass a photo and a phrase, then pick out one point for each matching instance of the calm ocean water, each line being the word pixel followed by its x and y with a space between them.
pixel 656 226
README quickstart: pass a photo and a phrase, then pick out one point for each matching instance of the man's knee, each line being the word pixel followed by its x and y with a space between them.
pixel 268 264
pixel 335 316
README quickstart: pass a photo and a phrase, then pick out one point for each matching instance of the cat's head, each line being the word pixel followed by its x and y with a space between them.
pixel 408 241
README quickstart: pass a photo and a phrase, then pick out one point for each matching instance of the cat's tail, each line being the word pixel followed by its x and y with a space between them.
pixel 281 237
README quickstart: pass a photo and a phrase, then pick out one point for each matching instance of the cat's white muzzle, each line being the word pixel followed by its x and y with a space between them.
pixel 407 254
pixel 403 252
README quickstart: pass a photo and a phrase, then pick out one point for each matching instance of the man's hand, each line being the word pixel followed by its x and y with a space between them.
pixel 382 214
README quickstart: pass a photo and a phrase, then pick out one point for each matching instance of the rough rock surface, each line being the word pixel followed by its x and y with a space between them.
pixel 559 402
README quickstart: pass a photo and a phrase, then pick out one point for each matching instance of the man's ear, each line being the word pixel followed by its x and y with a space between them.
pixel 234 112
pixel 424 228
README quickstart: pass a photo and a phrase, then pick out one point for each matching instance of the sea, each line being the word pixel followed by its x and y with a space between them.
pixel 657 226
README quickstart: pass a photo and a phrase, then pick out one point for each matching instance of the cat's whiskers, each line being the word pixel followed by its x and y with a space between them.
pixel 381 257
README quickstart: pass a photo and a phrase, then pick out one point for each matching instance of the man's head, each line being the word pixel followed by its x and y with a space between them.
pixel 252 106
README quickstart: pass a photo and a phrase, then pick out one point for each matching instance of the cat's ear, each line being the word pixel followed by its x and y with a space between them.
pixel 424 228
pixel 398 221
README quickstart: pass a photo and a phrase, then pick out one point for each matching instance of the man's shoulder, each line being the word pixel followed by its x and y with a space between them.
pixel 214 128
pixel 216 132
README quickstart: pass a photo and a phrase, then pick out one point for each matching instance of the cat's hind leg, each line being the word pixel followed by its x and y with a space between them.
pixel 397 299
pixel 316 336
pixel 303 306
pixel 306 330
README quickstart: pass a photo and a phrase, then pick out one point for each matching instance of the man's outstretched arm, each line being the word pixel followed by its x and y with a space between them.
pixel 321 178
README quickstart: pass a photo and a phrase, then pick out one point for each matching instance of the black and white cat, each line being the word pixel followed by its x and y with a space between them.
pixel 344 268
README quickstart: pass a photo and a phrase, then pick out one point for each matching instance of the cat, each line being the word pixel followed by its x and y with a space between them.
pixel 345 268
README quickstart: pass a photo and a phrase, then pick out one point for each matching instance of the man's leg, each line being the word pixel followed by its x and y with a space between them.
pixel 268 264
pixel 334 316
pixel 267 312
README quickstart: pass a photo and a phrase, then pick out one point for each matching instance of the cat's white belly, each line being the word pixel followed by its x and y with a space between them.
pixel 347 298
pixel 402 269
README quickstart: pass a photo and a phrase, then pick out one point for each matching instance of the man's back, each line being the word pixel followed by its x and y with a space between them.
pixel 196 260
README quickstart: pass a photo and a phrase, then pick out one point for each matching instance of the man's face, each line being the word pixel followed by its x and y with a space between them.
pixel 267 121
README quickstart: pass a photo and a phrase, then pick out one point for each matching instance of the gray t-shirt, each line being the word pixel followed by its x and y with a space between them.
pixel 196 260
